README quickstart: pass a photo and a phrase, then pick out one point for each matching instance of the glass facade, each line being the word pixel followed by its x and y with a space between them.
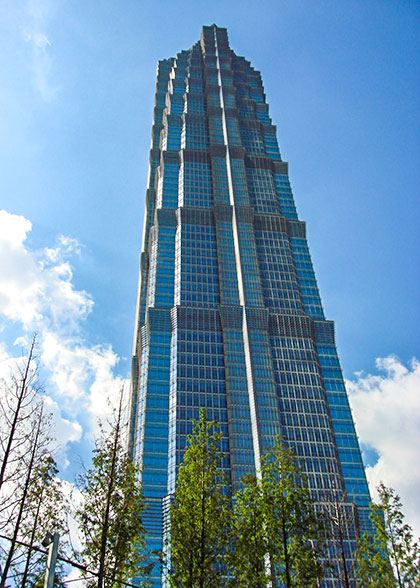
pixel 229 316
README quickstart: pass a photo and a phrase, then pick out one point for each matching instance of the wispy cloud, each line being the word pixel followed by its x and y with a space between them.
pixel 35 34
pixel 386 408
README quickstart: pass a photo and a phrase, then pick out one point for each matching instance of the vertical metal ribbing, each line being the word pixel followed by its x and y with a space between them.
pixel 252 408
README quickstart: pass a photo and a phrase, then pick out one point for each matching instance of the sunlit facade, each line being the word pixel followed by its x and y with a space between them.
pixel 229 315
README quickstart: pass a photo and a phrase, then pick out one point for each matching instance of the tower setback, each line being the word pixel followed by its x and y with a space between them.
pixel 229 316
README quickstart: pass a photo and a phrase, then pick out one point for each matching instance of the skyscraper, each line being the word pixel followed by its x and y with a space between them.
pixel 229 315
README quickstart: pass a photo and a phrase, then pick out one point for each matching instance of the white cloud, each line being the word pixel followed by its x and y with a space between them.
pixel 75 498
pixel 37 293
pixel 65 429
pixel 74 578
pixel 386 410
pixel 13 228
pixel 36 287
pixel 82 374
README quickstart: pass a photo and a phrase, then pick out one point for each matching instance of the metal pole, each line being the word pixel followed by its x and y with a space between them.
pixel 51 561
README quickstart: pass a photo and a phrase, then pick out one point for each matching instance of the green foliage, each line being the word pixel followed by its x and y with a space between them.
pixel 271 533
pixel 46 513
pixel 109 515
pixel 249 544
pixel 199 515
pixel 276 531
pixel 389 557
pixel 373 569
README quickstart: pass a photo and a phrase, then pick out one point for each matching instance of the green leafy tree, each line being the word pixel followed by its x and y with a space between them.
pixel 47 510
pixel 296 531
pixel 249 544
pixel 109 515
pixel 372 566
pixel 277 537
pixel 389 556
pixel 199 514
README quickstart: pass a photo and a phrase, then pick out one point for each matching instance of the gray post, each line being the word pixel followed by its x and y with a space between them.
pixel 51 561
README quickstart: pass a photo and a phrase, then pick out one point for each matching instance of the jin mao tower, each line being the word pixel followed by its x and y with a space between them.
pixel 229 316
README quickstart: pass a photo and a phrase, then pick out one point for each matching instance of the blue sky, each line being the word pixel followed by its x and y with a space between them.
pixel 77 83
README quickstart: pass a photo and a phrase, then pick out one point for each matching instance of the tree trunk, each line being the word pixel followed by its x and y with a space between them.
pixel 21 396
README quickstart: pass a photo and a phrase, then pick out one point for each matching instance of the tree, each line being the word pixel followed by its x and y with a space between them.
pixel 112 503
pixel 19 401
pixel 278 536
pixel 341 516
pixel 17 404
pixel 388 556
pixel 31 500
pixel 22 502
pixel 249 542
pixel 40 507
pixel 47 508
pixel 199 514
pixel 372 565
